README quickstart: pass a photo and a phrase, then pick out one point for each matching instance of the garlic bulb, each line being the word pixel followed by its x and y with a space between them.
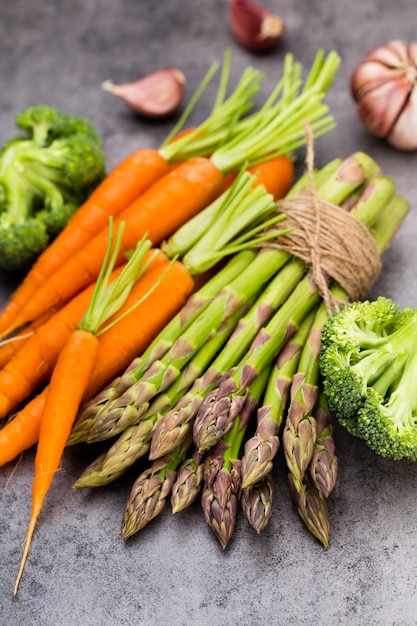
pixel 384 85
pixel 156 95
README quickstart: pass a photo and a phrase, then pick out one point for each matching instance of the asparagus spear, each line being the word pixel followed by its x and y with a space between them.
pixel 93 476
pixel 256 501
pixel 312 508
pixel 299 434
pixel 262 447
pixel 150 491
pixel 176 423
pixel 221 473
pixel 323 466
pixel 188 482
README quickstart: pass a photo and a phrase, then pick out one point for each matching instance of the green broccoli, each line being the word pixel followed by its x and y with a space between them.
pixel 368 364
pixel 44 177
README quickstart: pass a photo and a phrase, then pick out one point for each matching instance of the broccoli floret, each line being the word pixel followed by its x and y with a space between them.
pixel 44 177
pixel 43 124
pixel 368 364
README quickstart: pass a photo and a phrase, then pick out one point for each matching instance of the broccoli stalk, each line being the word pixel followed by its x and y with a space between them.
pixel 44 177
pixel 369 364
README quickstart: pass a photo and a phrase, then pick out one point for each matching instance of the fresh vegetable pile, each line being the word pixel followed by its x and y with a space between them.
pixel 205 341
pixel 242 364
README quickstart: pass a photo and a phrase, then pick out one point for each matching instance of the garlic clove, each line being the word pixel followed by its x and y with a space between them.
pixel 404 132
pixel 254 26
pixel 380 107
pixel 157 95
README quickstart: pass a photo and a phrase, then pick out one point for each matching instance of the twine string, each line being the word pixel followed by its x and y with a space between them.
pixel 332 242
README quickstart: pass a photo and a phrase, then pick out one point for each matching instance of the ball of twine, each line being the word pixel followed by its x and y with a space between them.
pixel 331 241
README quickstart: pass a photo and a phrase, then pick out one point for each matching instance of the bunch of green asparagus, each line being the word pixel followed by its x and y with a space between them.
pixel 232 377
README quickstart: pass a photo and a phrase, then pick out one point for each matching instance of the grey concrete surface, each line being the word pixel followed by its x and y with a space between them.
pixel 79 571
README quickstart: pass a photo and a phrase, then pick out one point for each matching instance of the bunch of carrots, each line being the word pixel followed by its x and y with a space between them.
pixel 51 321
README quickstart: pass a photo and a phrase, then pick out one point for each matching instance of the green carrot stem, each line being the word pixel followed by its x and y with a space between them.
pixel 262 134
pixel 188 235
pixel 240 210
pixel 108 297
pixel 225 113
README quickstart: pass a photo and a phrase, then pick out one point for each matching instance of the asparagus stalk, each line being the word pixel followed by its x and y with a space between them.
pixel 299 435
pixel 150 491
pixel 221 473
pixel 263 446
pixel 257 500
pixel 92 475
pixel 323 466
pixel 319 176
pixel 188 483
pixel 300 430
pixel 176 423
pixel 312 508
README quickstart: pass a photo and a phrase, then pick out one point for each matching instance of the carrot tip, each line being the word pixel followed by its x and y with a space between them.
pixel 28 541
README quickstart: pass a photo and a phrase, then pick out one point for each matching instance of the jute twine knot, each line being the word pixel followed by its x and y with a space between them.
pixel 331 241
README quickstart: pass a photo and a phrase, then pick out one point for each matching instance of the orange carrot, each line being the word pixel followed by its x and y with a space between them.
pixel 62 401
pixel 276 174
pixel 73 371
pixel 169 203
pixel 34 361
pixel 9 347
pixel 22 431
pixel 118 190
pixel 118 347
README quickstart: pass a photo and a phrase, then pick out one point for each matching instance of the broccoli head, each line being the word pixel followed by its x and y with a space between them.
pixel 44 177
pixel 368 364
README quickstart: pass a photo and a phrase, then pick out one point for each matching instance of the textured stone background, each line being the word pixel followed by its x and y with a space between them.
pixel 79 571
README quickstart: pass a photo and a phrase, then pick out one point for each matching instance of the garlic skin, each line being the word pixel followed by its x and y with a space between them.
pixel 254 26
pixel 157 95
pixel 384 85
